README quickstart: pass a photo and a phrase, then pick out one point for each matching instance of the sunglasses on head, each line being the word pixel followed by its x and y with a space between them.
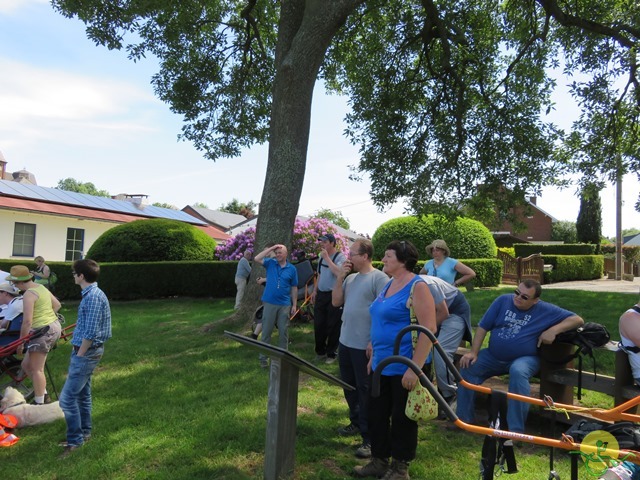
pixel 523 296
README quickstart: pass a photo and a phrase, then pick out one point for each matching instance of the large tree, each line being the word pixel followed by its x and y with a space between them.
pixel 73 185
pixel 444 95
pixel 589 222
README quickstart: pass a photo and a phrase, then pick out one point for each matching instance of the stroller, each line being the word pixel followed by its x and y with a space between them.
pixel 11 374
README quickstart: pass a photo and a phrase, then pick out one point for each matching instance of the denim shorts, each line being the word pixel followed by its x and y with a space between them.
pixel 44 343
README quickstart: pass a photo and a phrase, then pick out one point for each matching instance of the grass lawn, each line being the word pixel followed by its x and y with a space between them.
pixel 172 401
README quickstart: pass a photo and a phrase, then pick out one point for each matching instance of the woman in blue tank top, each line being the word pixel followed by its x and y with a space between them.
pixel 392 433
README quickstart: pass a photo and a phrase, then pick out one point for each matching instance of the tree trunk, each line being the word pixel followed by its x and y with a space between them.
pixel 305 31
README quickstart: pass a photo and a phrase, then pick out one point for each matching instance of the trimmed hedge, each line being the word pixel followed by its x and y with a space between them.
pixel 465 237
pixel 132 281
pixel 630 252
pixel 488 270
pixel 574 267
pixel 526 249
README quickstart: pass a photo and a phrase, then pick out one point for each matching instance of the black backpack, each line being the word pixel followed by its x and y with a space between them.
pixel 587 337
pixel 626 433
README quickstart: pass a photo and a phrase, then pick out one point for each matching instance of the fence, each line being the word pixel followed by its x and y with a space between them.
pixel 514 270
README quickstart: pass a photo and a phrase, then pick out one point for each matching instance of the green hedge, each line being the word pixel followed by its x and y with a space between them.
pixel 526 249
pixel 130 281
pixel 488 270
pixel 573 267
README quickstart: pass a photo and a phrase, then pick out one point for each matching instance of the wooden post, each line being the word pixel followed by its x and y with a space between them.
pixel 550 353
pixel 280 453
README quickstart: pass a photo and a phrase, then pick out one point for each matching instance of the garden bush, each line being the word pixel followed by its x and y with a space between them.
pixel 465 237
pixel 305 239
pixel 631 253
pixel 526 249
pixel 152 240
pixel 574 267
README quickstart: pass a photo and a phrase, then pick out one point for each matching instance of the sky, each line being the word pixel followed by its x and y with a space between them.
pixel 71 109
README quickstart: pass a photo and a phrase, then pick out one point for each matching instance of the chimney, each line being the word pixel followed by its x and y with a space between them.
pixel 139 200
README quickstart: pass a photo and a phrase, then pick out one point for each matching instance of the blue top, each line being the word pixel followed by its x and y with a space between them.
pixel 515 332
pixel 388 316
pixel 446 271
pixel 94 317
pixel 277 290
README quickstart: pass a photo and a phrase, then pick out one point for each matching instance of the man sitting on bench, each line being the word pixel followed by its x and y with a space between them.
pixel 519 324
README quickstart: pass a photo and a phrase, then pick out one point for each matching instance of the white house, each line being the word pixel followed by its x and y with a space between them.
pixel 62 226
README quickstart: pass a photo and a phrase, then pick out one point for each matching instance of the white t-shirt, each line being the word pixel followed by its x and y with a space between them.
pixel 12 309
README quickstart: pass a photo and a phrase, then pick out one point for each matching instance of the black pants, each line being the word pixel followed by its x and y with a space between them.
pixel 326 324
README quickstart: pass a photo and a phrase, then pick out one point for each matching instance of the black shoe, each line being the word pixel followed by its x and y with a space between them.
pixel 349 430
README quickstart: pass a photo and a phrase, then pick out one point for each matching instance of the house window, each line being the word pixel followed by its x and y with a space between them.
pixel 75 244
pixel 24 239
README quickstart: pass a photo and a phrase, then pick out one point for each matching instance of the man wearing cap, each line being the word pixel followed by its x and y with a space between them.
pixel 280 297
pixel 11 303
pixel 327 318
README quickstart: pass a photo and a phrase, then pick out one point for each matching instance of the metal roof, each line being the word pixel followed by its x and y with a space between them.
pixel 53 195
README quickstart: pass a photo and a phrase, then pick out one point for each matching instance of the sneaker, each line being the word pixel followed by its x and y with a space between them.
pixel 399 471
pixel 85 439
pixel 452 402
pixel 364 451
pixel 68 450
pixel 330 360
pixel 320 358
pixel 377 467
pixel 349 430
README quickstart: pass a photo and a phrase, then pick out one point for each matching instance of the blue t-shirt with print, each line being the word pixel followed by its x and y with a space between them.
pixel 515 332
pixel 277 290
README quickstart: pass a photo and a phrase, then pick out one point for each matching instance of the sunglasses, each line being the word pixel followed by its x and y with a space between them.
pixel 523 296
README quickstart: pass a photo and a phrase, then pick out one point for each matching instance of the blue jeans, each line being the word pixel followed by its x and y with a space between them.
pixel 353 370
pixel 75 398
pixel 520 371
pixel 449 337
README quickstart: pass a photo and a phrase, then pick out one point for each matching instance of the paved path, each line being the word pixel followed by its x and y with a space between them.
pixel 599 285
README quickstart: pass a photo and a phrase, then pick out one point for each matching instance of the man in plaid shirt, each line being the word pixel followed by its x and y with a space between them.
pixel 93 329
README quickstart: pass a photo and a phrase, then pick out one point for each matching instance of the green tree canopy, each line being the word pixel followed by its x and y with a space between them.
pixel 247 210
pixel 564 231
pixel 165 205
pixel 589 222
pixel 73 185
pixel 337 218
pixel 444 96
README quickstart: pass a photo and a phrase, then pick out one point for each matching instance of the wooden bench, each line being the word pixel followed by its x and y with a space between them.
pixel 558 381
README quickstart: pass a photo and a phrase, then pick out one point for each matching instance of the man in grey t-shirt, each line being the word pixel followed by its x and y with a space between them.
pixel 356 292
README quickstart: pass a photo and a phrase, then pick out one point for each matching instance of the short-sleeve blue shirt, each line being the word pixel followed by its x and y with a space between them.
pixel 515 332
pixel 277 290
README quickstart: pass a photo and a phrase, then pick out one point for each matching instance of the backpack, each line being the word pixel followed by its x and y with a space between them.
pixel 627 434
pixel 587 337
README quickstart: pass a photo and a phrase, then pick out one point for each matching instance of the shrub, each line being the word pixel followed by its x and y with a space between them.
pixel 465 237
pixel 631 253
pixel 508 250
pixel 574 267
pixel 305 239
pixel 526 249
pixel 152 240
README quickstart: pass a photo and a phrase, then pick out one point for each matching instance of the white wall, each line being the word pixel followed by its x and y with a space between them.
pixel 51 233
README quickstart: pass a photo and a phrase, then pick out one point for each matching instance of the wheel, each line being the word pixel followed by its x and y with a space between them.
pixel 12 376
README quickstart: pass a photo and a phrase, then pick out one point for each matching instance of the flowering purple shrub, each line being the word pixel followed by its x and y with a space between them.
pixel 305 239
pixel 234 248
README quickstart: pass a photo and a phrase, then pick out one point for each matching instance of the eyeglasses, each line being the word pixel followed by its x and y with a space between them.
pixel 523 296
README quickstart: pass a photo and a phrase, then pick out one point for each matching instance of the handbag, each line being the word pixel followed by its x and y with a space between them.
pixel 421 405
